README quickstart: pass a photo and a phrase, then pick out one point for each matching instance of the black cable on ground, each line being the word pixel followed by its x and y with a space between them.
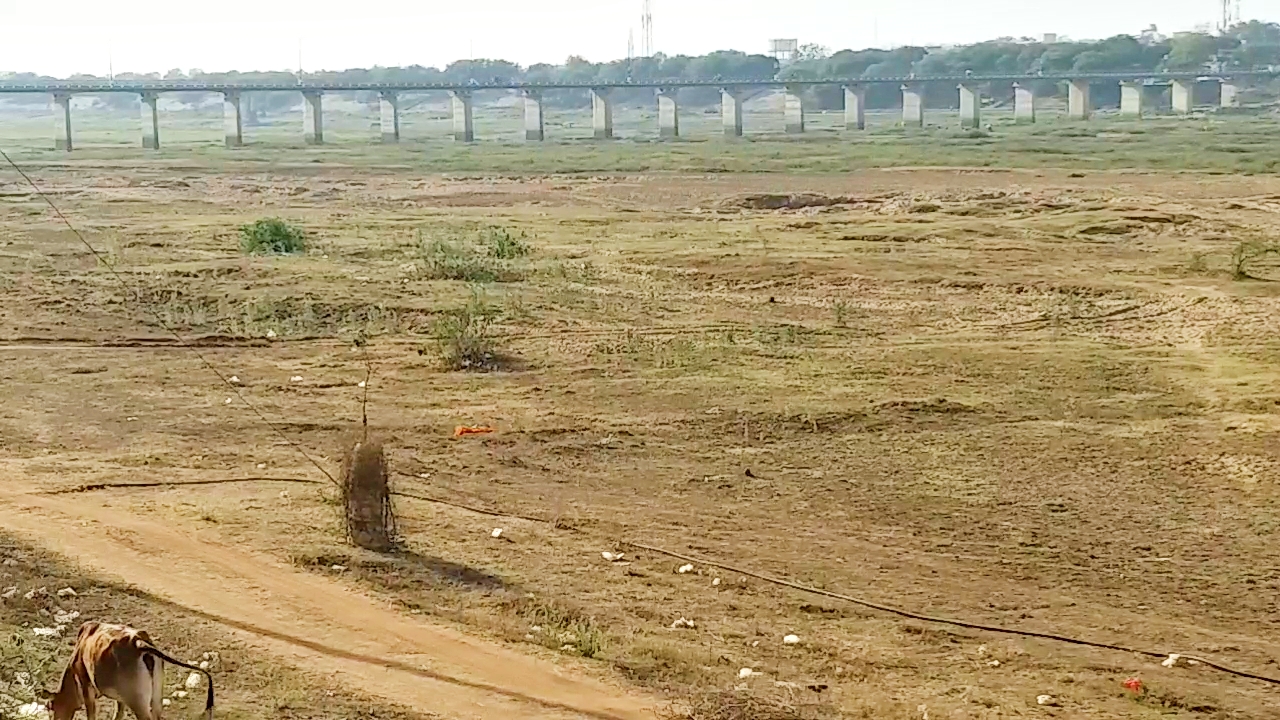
pixel 91 487
pixel 947 621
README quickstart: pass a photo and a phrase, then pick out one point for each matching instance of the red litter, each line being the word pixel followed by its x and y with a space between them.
pixel 1134 684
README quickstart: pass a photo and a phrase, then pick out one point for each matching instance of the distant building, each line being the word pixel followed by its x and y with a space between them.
pixel 1050 38
pixel 784 50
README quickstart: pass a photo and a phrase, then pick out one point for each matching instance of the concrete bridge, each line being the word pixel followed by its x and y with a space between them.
pixel 733 94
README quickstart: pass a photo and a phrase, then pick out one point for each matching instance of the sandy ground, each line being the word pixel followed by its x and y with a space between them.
pixel 1023 398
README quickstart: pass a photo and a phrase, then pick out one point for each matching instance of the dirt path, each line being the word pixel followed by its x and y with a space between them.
pixel 311 622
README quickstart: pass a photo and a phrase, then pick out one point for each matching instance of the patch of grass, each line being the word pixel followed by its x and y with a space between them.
pixel 465 336
pixel 562 628
pixel 660 664
pixel 460 260
pixel 272 236
pixel 583 272
pixel 664 352
pixel 296 316
pixel 744 705
pixel 504 244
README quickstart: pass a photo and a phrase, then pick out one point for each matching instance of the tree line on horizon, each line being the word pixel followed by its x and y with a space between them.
pixel 1250 45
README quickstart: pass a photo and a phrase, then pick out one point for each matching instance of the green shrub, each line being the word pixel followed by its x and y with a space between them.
pixel 466 337
pixel 272 236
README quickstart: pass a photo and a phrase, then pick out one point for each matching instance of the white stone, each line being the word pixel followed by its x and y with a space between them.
pixel 684 569
pixel 1044 699
pixel 791 639
pixel 1172 660
pixel 193 681
pixel 745 673
pixel 34 709
pixel 497 533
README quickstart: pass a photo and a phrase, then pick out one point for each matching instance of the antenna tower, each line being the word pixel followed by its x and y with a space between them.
pixel 646 30
pixel 1230 14
pixel 631 44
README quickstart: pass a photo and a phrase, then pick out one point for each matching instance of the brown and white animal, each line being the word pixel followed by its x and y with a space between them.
pixel 121 663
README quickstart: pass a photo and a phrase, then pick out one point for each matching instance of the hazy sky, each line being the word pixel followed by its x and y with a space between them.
pixel 155 35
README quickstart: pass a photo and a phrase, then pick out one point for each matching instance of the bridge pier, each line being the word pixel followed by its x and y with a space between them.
pixel 150 121
pixel 970 106
pixel 913 105
pixel 232 120
pixel 601 113
pixel 534 126
pixel 62 121
pixel 668 113
pixel 1230 94
pixel 389 116
pixel 793 108
pixel 1024 104
pixel 313 117
pixel 855 107
pixel 1079 100
pixel 1133 98
pixel 464 126
pixel 1184 96
pixel 731 100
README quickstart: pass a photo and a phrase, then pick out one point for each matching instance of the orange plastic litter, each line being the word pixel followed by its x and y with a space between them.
pixel 471 430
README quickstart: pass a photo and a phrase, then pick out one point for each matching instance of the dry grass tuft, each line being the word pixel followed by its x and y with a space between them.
pixel 738 705
pixel 366 496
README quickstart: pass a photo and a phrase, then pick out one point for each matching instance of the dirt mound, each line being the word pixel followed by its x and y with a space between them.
pixel 932 406
pixel 784 201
